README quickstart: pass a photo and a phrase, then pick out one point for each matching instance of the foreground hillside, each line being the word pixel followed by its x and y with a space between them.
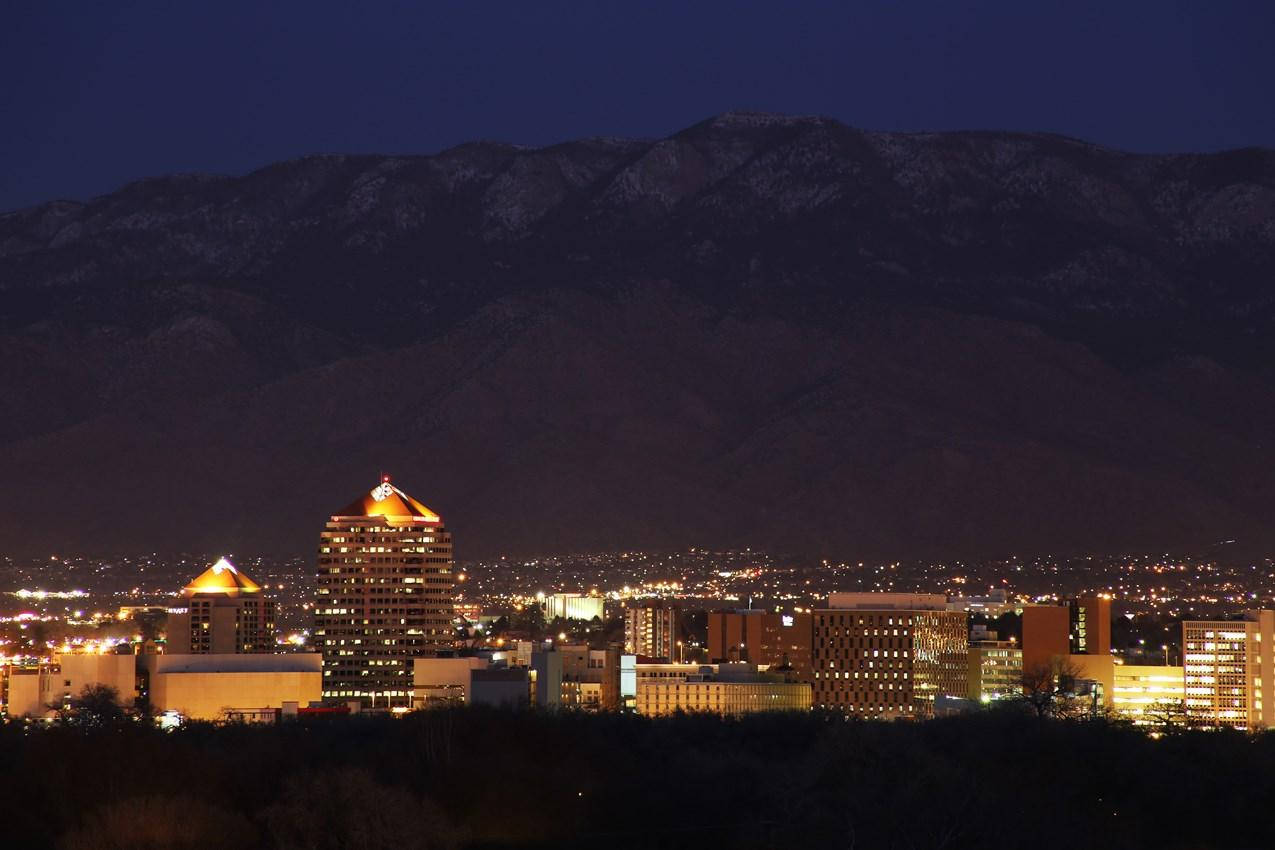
pixel 760 331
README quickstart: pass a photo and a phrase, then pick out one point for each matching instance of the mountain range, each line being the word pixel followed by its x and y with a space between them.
pixel 763 330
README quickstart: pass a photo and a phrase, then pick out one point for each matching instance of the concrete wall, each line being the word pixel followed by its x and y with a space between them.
pixel 28 692
pixel 80 671
pixel 207 696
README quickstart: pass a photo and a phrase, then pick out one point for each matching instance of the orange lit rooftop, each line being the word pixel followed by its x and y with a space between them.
pixel 221 577
pixel 386 500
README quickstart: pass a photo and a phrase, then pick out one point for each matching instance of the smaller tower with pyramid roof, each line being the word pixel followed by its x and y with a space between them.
pixel 226 612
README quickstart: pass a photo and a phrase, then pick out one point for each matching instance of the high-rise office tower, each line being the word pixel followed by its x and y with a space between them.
pixel 225 612
pixel 650 630
pixel 1226 670
pixel 384 595
pixel 888 654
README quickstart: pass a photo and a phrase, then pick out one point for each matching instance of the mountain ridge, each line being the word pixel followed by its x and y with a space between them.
pixel 744 242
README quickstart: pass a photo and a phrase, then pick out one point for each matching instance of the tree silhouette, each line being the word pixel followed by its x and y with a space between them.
pixel 1049 690
pixel 96 705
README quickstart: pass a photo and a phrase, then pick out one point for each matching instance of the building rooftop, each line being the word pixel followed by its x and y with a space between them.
pixel 388 501
pixel 221 577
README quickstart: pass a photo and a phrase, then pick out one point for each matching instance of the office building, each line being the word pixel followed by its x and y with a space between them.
pixel 590 677
pixel 650 631
pixel 1227 677
pixel 761 637
pixel 1147 695
pixel 725 689
pixel 384 597
pixel 225 612
pixel 995 668
pixel 888 654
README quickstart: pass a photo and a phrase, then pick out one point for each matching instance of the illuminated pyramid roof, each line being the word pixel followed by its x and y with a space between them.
pixel 221 577
pixel 388 501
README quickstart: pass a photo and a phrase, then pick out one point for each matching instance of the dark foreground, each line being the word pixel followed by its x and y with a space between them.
pixel 487 779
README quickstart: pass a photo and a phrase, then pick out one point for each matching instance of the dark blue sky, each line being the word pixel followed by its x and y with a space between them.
pixel 93 95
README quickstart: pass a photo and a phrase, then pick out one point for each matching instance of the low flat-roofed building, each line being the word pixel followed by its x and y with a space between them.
pixel 38 691
pixel 76 672
pixel 444 681
pixel 1147 695
pixel 726 689
pixel 996 670
pixel 573 606
pixel 501 687
pixel 874 601
pixel 218 686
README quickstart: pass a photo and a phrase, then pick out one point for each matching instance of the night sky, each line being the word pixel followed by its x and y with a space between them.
pixel 97 94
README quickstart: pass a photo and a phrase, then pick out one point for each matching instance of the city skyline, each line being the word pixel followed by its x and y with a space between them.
pixel 445 426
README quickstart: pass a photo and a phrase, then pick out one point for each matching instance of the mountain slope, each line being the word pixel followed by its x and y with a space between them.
pixel 762 330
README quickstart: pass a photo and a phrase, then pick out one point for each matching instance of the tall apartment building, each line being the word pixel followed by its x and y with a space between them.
pixel 761 637
pixel 384 596
pixel 1226 671
pixel 888 654
pixel 650 630
pixel 225 612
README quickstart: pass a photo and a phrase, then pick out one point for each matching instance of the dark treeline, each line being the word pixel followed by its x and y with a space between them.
pixel 488 779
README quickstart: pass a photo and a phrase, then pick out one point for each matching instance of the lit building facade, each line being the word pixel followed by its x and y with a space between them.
pixel 1227 676
pixel 725 689
pixel 225 612
pixel 995 671
pixel 650 630
pixel 573 606
pixel 221 687
pixel 1147 695
pixel 384 596
pixel 888 655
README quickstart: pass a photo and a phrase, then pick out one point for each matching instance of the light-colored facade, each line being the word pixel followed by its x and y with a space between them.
pixel 40 690
pixel 444 681
pixel 573 606
pixel 1147 695
pixel 650 630
pixel 218 687
pixel 725 689
pixel 225 612
pixel 881 655
pixel 29 690
pixel 384 597
pixel 1229 670
pixel 996 670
